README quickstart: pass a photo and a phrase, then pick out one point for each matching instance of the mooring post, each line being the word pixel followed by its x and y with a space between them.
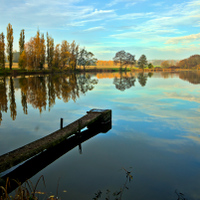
pixel 61 123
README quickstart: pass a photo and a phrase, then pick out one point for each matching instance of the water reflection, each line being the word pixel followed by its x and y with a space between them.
pixel 142 78
pixel 3 97
pixel 125 81
pixel 191 76
pixel 42 91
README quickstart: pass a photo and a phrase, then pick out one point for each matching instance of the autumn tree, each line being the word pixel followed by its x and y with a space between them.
pixel 191 62
pixel 56 58
pixel 165 64
pixel 65 54
pixel 22 56
pixel 183 64
pixel 35 51
pixel 74 51
pixel 142 61
pixel 21 41
pixel 50 51
pixel 2 51
pixel 10 39
pixel 22 60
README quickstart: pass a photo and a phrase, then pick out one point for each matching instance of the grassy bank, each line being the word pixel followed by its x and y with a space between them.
pixel 99 68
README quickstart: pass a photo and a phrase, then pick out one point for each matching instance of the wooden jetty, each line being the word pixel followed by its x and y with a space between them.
pixel 93 118
pixel 32 166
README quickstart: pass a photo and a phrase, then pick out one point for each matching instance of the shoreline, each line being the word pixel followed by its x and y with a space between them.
pixel 16 72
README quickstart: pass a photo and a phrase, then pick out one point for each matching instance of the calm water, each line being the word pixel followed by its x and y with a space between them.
pixel 155 132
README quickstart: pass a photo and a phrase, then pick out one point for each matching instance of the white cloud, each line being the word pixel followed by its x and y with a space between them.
pixel 98 28
pixel 99 14
pixel 127 2
pixel 184 39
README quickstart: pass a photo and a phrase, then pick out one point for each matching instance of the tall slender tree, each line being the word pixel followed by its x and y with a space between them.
pixel 74 51
pixel 2 51
pixel 50 51
pixel 10 39
pixel 43 47
pixel 22 57
pixel 21 41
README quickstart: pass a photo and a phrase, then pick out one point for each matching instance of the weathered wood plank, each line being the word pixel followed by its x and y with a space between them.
pixel 91 119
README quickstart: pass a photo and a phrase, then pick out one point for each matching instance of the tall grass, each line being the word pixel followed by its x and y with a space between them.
pixel 27 191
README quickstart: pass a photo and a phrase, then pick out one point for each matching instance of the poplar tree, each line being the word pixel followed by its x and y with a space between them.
pixel 22 55
pixel 2 51
pixel 42 46
pixel 74 51
pixel 50 51
pixel 10 39
pixel 21 41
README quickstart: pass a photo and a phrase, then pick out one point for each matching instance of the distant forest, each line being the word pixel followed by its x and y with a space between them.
pixel 193 62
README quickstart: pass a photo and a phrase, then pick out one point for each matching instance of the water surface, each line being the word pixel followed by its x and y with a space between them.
pixel 154 135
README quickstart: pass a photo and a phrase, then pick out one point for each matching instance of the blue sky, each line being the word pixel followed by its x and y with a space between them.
pixel 159 29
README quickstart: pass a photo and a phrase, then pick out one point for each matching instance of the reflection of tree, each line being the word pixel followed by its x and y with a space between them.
pixel 51 92
pixel 124 82
pixel 37 94
pixel 3 97
pixel 23 82
pixel 142 78
pixel 13 106
pixel 192 77
pixel 38 90
pixel 150 74
pixel 74 88
pixel 85 83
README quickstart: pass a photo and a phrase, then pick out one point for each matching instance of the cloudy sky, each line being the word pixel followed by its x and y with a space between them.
pixel 159 29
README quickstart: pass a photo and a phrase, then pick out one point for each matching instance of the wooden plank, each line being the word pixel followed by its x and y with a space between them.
pixel 32 166
pixel 93 118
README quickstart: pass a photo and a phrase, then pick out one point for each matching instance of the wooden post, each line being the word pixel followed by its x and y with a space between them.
pixel 61 123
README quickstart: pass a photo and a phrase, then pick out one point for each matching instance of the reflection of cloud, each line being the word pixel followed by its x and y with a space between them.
pixel 171 145
pixel 171 106
pixel 183 96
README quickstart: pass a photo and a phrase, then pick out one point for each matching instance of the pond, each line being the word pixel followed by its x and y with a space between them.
pixel 154 134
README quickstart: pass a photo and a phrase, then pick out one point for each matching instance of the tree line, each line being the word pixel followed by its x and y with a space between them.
pixel 37 51
pixel 124 59
pixel 193 62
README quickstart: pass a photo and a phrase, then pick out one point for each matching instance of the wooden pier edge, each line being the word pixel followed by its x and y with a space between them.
pixel 93 118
